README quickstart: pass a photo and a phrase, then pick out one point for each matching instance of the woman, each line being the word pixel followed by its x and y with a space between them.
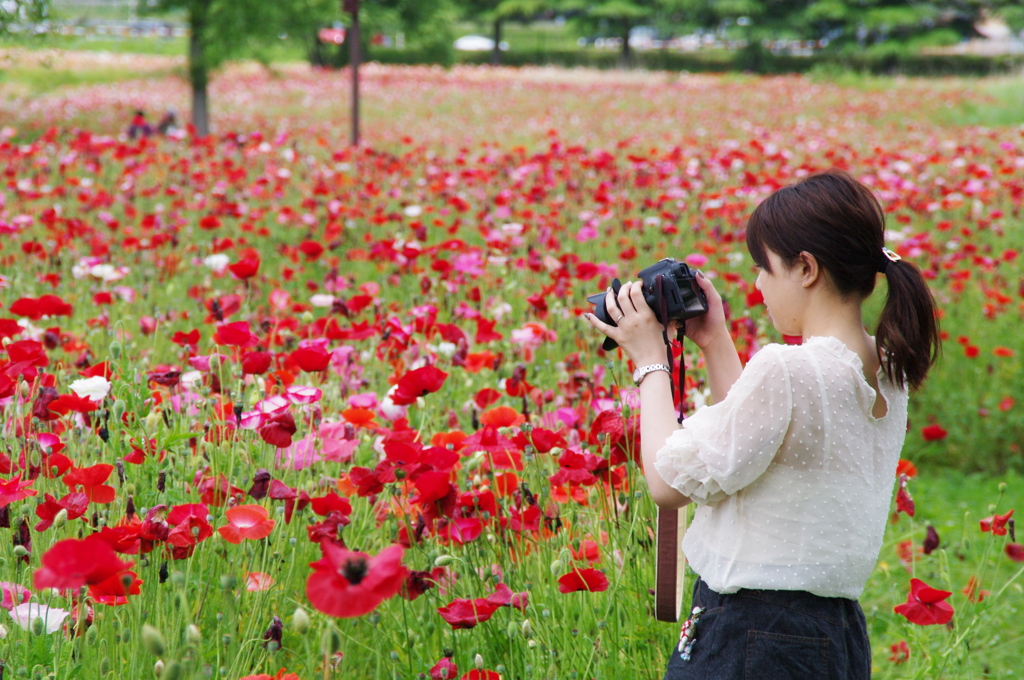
pixel 792 468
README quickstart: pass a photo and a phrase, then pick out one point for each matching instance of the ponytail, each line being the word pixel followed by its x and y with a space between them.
pixel 908 332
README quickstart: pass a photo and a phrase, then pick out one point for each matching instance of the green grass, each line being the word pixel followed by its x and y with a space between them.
pixel 1001 103
pixel 94 43
pixel 36 81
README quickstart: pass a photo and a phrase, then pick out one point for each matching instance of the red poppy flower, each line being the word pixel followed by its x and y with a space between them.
pixel 347 584
pixel 113 590
pixel 905 467
pixel 13 490
pixel 486 397
pixel 27 352
pixel 256 363
pixel 332 502
pixel 583 579
pixel 481 674
pixel 933 432
pixel 996 524
pixel 311 359
pixel 899 652
pixel 444 669
pixel 246 522
pixel 76 504
pixel 1015 551
pixel 209 222
pixel 72 563
pixel 7 386
pixel 190 339
pixel 90 482
pixel 66 403
pixel 460 613
pixel 313 250
pixel 925 606
pixel 417 383
pixel 503 451
pixel 10 328
pixel 236 334
pixel 502 416
pixel 904 502
pixel 101 370
pixel 278 429
pixel 47 305
pixel 245 269
pixel 540 439
pixel 185 518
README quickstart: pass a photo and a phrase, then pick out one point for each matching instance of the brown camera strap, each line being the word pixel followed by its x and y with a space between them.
pixel 670 565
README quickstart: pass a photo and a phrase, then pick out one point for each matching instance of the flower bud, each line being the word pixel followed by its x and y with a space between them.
pixel 479 662
pixel 104 666
pixel 38 625
pixel 527 628
pixel 158 668
pixel 330 642
pixel 117 410
pixel 513 629
pixel 556 567
pixel 193 635
pixel 115 349
pixel 443 560
pixel 173 671
pixel 300 621
pixel 152 640
pixel 565 556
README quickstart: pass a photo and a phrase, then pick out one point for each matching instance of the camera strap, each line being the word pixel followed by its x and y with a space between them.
pixel 669 566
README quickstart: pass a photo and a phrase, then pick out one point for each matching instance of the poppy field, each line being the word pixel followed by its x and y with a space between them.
pixel 274 407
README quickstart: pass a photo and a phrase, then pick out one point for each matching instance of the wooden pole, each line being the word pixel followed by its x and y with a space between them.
pixel 354 45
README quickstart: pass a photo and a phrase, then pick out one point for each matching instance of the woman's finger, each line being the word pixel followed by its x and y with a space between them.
pixel 636 296
pixel 611 306
pixel 625 298
pixel 600 325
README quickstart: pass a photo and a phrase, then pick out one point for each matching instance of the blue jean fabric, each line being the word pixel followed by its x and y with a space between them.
pixel 774 635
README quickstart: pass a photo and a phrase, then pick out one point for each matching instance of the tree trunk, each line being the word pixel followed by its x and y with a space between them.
pixel 354 40
pixel 197 69
pixel 496 52
pixel 626 56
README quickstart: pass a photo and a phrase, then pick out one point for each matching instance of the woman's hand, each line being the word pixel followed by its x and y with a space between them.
pixel 638 331
pixel 705 329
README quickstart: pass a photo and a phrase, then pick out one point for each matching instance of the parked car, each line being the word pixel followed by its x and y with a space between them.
pixel 478 43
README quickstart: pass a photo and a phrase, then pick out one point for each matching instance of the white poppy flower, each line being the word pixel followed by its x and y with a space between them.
pixel 95 388
pixel 218 262
pixel 25 614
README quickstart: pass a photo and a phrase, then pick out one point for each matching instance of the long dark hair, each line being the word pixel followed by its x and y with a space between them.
pixel 839 221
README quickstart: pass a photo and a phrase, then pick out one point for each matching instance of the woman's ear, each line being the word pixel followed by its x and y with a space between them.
pixel 808 269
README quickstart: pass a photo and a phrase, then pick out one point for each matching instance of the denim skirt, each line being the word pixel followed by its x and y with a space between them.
pixel 771 635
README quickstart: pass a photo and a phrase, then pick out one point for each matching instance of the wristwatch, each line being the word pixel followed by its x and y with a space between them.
pixel 642 372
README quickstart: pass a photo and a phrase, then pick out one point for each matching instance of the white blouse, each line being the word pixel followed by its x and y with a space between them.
pixel 791 473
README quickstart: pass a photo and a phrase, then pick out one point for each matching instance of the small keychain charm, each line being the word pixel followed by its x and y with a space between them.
pixel 688 633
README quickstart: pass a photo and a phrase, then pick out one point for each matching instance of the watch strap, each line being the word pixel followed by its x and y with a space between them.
pixel 640 373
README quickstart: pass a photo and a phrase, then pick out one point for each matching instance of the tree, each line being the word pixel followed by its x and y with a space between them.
pixel 220 30
pixel 618 16
pixel 15 14
pixel 497 12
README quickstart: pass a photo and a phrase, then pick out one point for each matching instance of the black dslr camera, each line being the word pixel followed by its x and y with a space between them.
pixel 670 289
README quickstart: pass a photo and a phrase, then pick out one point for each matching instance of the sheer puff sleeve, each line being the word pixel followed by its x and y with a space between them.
pixel 724 447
